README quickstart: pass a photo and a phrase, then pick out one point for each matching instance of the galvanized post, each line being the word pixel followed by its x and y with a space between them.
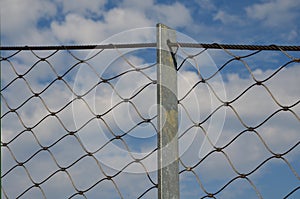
pixel 168 177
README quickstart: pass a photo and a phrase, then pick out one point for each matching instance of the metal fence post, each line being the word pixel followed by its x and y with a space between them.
pixel 168 177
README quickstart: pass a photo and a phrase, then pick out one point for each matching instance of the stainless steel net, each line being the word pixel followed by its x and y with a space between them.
pixel 70 128
pixel 81 121
pixel 240 115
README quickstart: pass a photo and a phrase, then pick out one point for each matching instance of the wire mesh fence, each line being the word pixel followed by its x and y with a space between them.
pixel 81 121
pixel 69 125
pixel 243 118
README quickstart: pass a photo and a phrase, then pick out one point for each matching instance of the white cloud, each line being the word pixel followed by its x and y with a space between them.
pixel 227 18
pixel 207 4
pixel 127 16
pixel 79 29
pixel 91 8
pixel 23 17
pixel 291 35
pixel 275 13
pixel 83 22
pixel 137 4
pixel 168 14
pixel 163 13
pixel 119 19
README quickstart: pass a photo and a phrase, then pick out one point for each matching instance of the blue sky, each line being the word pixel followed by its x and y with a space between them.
pixel 63 22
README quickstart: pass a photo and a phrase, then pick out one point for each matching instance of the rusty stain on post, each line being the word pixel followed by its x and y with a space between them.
pixel 168 176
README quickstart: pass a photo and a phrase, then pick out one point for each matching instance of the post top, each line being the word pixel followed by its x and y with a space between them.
pixel 160 25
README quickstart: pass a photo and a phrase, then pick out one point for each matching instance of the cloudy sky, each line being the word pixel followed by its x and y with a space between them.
pixel 63 22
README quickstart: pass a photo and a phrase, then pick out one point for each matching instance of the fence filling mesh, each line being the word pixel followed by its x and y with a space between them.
pixel 70 126
pixel 82 123
pixel 242 120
